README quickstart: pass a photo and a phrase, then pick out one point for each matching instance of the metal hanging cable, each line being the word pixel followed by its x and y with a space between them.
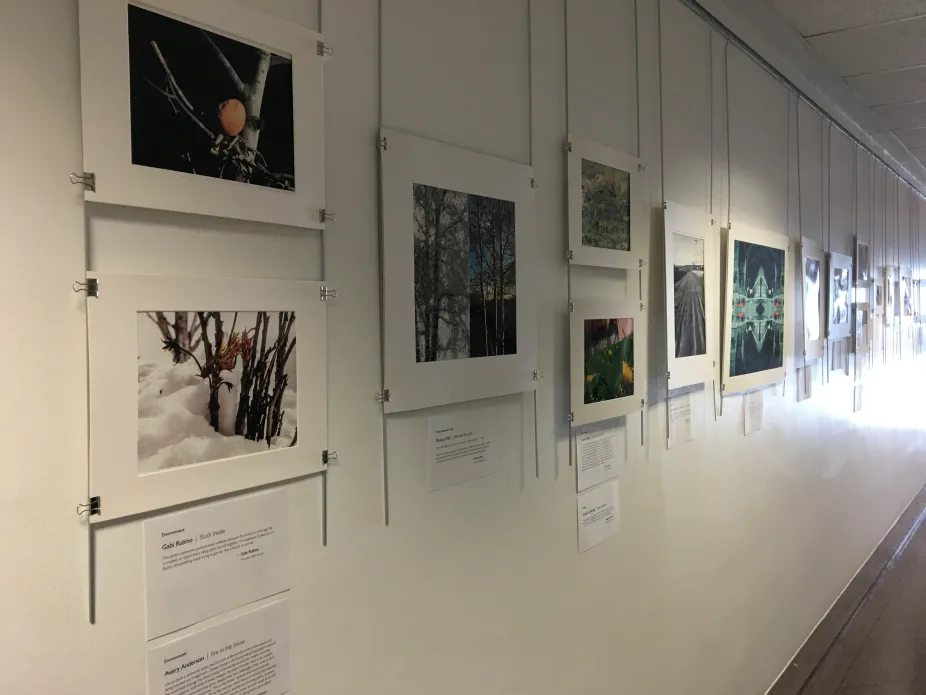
pixel 731 37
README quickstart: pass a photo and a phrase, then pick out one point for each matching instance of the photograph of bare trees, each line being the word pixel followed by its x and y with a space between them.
pixel 209 105
pixel 465 275
pixel 605 206
pixel 213 385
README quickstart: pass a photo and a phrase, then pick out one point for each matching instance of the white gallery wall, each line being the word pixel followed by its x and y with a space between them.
pixel 730 548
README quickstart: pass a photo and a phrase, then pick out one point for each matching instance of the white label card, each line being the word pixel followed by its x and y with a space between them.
pixel 460 447
pixel 754 406
pixel 246 655
pixel 599 452
pixel 681 427
pixel 598 514
pixel 207 560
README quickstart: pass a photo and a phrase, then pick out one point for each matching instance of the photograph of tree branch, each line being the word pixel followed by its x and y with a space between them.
pixel 608 359
pixel 209 105
pixel 465 275
pixel 605 206
pixel 213 385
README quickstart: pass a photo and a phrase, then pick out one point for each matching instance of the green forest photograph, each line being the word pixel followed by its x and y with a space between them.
pixel 608 359
pixel 605 206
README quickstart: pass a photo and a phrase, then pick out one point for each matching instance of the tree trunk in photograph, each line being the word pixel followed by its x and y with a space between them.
pixel 252 105
pixel 434 338
pixel 482 283
pixel 499 308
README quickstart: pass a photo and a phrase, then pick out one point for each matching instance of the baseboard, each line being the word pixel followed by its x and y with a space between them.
pixel 823 651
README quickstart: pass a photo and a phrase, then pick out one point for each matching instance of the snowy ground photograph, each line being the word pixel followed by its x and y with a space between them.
pixel 214 385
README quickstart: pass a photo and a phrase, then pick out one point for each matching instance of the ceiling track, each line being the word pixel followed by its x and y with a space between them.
pixel 910 180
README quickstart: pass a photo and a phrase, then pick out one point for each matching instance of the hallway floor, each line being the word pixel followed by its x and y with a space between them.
pixel 881 649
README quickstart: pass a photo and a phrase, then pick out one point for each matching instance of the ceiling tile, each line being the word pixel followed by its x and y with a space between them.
pixel 821 16
pixel 897 86
pixel 875 48
pixel 912 137
pixel 899 116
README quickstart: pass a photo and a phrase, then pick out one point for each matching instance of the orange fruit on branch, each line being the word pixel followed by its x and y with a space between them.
pixel 232 116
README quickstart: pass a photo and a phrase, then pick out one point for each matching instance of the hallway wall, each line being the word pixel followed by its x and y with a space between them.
pixel 730 548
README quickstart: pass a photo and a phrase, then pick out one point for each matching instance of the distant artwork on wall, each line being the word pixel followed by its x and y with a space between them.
pixel 465 275
pixel 862 263
pixel 209 105
pixel 812 297
pixel 605 206
pixel 213 385
pixel 608 359
pixel 758 311
pixel 907 290
pixel 840 297
pixel 690 318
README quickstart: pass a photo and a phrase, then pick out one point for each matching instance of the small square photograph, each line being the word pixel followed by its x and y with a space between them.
pixel 209 105
pixel 608 359
pixel 213 385
pixel 605 206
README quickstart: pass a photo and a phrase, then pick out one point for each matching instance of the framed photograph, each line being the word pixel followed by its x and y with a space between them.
pixel 692 280
pixel 604 361
pixel 813 265
pixel 201 387
pixel 208 107
pixel 839 324
pixel 862 336
pixel 907 299
pixel 757 328
pixel 891 290
pixel 879 294
pixel 459 300
pixel 608 218
pixel 863 274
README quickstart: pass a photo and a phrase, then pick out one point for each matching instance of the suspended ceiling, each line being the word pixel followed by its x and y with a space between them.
pixel 879 49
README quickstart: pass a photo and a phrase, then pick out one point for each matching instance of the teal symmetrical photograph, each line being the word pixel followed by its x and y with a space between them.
pixel 758 311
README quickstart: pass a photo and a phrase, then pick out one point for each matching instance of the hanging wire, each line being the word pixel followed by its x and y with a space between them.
pixel 705 16
pixel 726 91
pixel 710 111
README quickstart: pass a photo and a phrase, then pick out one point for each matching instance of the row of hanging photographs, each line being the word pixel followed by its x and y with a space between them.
pixel 214 108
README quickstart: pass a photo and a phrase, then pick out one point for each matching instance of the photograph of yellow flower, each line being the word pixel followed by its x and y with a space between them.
pixel 608 359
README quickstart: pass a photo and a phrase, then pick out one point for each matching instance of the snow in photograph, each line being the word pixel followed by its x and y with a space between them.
pixel 214 385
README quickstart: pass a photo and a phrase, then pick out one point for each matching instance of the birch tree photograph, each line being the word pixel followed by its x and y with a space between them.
pixel 465 279
pixel 213 385
pixel 209 105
